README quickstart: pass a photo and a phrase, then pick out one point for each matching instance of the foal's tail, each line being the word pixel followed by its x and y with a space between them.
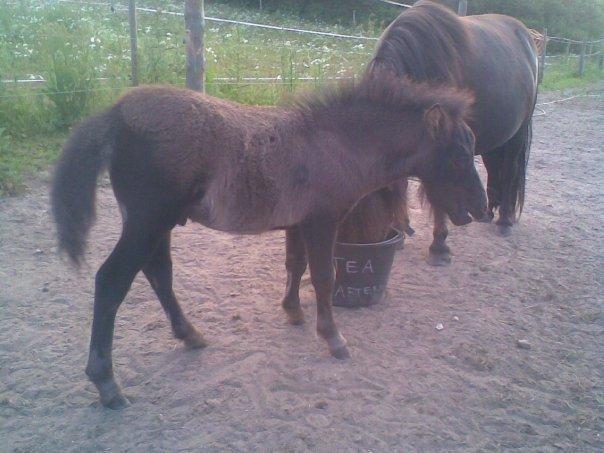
pixel 73 190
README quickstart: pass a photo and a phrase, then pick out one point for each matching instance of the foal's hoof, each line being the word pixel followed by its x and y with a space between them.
pixel 194 339
pixel 439 259
pixel 293 310
pixel 337 347
pixel 111 395
pixel 504 230
pixel 295 316
pixel 117 403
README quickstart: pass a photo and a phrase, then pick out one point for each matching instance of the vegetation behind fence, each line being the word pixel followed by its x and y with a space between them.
pixel 82 55
pixel 576 19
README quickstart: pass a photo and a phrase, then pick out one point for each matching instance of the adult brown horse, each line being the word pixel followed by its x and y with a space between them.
pixel 175 155
pixel 493 56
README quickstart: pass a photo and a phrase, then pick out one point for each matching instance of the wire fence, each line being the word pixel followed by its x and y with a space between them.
pixel 117 7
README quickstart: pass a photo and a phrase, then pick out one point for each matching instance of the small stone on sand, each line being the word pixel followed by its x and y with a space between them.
pixel 321 404
pixel 439 326
pixel 523 344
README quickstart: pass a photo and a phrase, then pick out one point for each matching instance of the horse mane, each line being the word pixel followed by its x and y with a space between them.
pixel 426 42
pixel 388 92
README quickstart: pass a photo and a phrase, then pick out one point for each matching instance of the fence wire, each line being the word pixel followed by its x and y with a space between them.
pixel 118 7
pixel 404 5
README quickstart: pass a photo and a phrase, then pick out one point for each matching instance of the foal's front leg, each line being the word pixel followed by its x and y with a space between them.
pixel 319 237
pixel 439 253
pixel 295 264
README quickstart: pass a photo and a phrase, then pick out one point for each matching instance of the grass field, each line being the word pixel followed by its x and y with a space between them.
pixel 83 52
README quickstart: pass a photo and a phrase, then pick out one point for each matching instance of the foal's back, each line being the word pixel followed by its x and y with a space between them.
pixel 233 167
pixel 191 135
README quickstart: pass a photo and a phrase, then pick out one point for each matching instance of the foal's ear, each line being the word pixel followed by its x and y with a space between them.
pixel 437 121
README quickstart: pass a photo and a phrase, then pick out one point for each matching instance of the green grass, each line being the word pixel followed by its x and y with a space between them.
pixel 72 46
pixel 564 75
pixel 21 157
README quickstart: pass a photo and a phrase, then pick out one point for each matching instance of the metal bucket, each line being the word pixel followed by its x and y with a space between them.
pixel 362 271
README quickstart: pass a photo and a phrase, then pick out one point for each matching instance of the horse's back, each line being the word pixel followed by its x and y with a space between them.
pixel 502 72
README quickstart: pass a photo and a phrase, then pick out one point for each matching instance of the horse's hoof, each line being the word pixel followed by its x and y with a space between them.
pixel 340 353
pixel 194 339
pixel 439 259
pixel 504 230
pixel 111 395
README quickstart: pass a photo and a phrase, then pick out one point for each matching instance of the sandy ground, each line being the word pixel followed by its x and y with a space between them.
pixel 263 385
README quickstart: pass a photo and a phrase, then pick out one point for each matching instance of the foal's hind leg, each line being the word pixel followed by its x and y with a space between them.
pixel 295 264
pixel 319 236
pixel 113 280
pixel 439 253
pixel 158 271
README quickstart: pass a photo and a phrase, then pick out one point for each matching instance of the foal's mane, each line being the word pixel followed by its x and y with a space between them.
pixel 387 91
pixel 426 42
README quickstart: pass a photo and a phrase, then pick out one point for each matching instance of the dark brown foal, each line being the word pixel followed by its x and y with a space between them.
pixel 175 155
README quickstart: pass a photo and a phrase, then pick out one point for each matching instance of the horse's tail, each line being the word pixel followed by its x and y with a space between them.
pixel 73 190
pixel 525 136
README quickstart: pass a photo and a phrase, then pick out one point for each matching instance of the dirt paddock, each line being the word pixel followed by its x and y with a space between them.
pixel 262 385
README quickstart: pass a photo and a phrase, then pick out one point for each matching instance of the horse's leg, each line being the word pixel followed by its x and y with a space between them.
pixel 493 162
pixel 158 271
pixel 513 176
pixel 113 280
pixel 319 237
pixel 506 211
pixel 439 253
pixel 295 264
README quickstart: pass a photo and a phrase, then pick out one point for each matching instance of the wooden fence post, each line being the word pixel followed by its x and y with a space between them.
pixel 541 72
pixel 133 42
pixel 195 25
pixel 462 7
pixel 582 59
